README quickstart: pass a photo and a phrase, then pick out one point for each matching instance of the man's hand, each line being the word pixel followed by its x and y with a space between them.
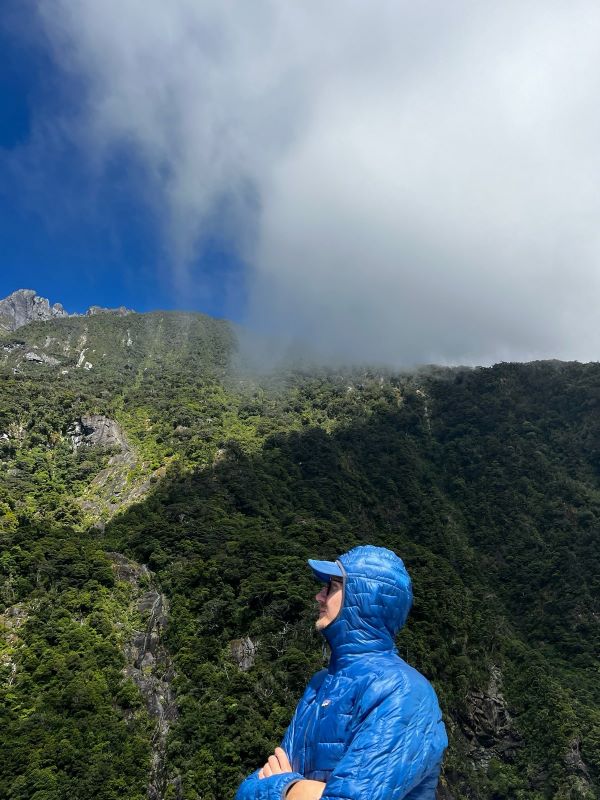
pixel 276 764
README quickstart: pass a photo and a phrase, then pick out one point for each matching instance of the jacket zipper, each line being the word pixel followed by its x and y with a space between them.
pixel 318 700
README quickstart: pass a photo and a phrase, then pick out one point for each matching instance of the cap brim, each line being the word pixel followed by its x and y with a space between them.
pixel 325 570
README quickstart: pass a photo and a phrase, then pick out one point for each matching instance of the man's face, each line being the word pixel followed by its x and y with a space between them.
pixel 330 602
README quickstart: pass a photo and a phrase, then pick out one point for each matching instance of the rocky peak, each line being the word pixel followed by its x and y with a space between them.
pixel 24 306
pixel 121 311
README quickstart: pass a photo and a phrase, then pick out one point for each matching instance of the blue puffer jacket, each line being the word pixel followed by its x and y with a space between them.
pixel 370 725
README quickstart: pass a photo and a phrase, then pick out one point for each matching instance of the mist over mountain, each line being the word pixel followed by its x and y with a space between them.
pixel 408 183
pixel 158 501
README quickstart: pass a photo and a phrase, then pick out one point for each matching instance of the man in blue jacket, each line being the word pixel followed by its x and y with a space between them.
pixel 368 727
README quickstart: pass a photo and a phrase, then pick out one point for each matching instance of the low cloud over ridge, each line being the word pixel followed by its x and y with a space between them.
pixel 408 182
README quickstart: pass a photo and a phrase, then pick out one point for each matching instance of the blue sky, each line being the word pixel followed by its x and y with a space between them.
pixel 393 182
pixel 75 235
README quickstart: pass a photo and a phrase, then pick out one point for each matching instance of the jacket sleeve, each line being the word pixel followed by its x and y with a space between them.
pixel 275 787
pixel 399 740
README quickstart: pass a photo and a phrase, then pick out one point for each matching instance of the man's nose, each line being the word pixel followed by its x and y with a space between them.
pixel 321 595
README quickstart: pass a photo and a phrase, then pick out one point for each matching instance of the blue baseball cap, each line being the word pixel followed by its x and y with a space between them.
pixel 325 570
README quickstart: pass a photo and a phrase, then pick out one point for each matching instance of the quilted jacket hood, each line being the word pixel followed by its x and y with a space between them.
pixel 376 601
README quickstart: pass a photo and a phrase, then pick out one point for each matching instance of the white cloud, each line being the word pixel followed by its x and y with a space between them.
pixel 410 182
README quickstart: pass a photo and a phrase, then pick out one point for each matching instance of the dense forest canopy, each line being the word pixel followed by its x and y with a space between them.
pixel 143 468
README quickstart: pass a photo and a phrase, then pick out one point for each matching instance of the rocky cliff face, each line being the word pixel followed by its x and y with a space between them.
pixel 488 726
pixel 149 666
pixel 98 430
pixel 24 306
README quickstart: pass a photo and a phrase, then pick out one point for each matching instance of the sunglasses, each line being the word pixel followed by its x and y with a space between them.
pixel 333 585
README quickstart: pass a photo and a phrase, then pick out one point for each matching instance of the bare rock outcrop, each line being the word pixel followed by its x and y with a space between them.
pixel 41 358
pixel 121 311
pixel 488 726
pixel 111 489
pixel 124 480
pixel 148 664
pixel 24 306
pixel 98 430
pixel 243 652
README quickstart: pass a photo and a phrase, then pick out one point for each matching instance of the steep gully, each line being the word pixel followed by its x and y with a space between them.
pixel 149 666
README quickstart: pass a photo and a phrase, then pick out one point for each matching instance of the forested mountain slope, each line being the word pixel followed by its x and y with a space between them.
pixel 140 441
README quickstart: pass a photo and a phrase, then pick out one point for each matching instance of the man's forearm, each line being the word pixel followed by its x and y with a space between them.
pixel 305 790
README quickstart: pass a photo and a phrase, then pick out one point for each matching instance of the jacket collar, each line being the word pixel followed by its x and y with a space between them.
pixel 348 643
